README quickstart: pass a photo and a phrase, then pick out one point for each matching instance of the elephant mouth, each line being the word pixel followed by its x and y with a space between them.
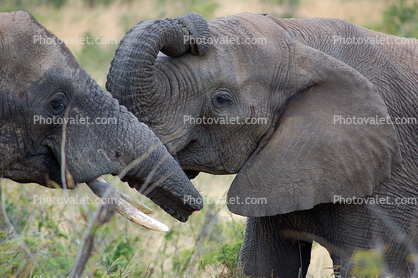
pixel 191 174
pixel 40 166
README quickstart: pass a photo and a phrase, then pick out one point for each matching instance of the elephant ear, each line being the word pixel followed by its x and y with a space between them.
pixel 313 156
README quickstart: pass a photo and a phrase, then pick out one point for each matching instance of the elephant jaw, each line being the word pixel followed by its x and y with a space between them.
pixel 191 174
pixel 125 206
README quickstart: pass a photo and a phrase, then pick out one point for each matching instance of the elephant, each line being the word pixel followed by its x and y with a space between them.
pixel 42 87
pixel 316 117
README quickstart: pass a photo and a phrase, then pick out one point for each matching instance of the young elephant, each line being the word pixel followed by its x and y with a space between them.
pixel 309 113
pixel 41 84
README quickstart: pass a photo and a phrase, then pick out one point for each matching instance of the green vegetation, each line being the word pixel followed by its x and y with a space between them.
pixel 368 263
pixel 95 58
pixel 226 253
pixel 10 5
pixel 205 8
pixel 290 7
pixel 401 19
pixel 43 239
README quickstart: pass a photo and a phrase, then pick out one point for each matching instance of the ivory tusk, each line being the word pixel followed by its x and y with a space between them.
pixel 126 207
pixel 103 185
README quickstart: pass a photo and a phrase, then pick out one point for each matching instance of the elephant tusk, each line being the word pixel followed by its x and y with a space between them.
pixel 145 209
pixel 125 206
pixel 101 185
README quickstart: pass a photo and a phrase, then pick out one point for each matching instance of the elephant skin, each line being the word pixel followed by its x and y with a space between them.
pixel 41 83
pixel 330 133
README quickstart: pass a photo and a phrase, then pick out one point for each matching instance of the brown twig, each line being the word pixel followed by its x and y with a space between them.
pixel 101 215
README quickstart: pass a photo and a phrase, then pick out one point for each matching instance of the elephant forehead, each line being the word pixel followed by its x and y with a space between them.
pixel 246 44
pixel 28 50
pixel 242 47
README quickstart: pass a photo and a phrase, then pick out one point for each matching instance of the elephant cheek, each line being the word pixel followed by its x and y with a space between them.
pixel 100 162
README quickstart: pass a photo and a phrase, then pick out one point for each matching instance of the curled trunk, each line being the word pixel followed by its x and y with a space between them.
pixel 131 78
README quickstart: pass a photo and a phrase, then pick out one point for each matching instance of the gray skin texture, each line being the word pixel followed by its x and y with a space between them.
pixel 45 80
pixel 299 79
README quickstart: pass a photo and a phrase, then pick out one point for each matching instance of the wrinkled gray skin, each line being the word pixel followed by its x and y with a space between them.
pixel 297 161
pixel 45 80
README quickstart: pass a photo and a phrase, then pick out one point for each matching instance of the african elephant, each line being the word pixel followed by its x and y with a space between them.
pixel 330 160
pixel 41 84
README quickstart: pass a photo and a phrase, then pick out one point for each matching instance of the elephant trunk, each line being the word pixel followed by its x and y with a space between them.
pixel 131 77
pixel 156 174
pixel 128 146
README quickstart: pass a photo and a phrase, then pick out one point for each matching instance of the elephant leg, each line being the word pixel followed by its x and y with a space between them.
pixel 270 250
pixel 341 265
pixel 400 261
pixel 396 257
pixel 371 229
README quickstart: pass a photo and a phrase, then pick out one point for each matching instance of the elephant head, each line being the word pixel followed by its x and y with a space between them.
pixel 42 87
pixel 260 103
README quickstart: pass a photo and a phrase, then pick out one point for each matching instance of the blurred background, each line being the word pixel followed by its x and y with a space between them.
pixel 44 238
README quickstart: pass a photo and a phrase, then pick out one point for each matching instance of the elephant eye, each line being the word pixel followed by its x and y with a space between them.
pixel 58 106
pixel 222 98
